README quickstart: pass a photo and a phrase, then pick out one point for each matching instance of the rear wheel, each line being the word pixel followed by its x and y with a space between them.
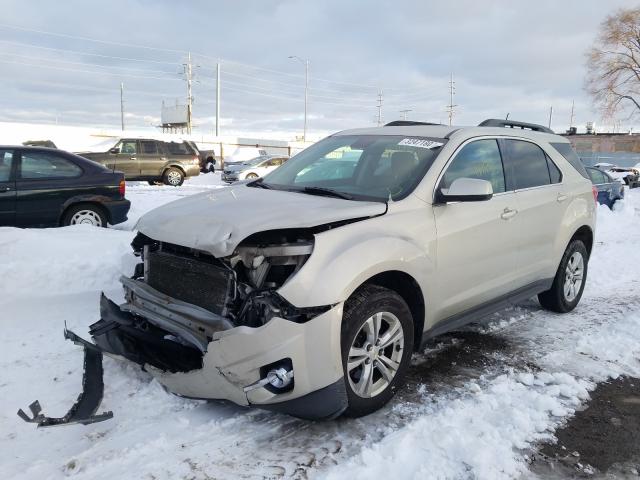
pixel 173 176
pixel 377 343
pixel 568 284
pixel 85 214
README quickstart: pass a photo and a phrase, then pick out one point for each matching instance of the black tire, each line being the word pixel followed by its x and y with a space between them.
pixel 173 177
pixel 363 304
pixel 85 213
pixel 555 298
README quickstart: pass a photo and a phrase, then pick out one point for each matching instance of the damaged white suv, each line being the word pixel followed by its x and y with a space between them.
pixel 306 292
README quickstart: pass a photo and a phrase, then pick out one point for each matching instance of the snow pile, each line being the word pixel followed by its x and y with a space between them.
pixel 44 262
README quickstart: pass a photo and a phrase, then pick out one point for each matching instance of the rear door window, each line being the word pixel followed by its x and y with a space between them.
pixel 554 171
pixel 480 159
pixel 149 148
pixel 6 162
pixel 526 164
pixel 37 165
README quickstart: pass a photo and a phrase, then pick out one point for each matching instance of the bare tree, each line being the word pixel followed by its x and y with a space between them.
pixel 613 64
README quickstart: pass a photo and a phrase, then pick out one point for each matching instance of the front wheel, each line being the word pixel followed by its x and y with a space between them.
pixel 377 343
pixel 173 177
pixel 568 284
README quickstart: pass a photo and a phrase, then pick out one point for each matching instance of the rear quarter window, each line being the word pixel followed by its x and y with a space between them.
pixel 571 156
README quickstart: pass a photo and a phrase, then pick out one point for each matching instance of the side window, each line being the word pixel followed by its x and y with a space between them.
pixel 128 147
pixel 571 156
pixel 6 160
pixel 46 165
pixel 480 159
pixel 149 148
pixel 598 177
pixel 527 164
pixel 554 171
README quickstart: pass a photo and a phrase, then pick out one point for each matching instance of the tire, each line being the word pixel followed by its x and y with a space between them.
pixel 173 177
pixel 369 305
pixel 85 213
pixel 251 176
pixel 564 294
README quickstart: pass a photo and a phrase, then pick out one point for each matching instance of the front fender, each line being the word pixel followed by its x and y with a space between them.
pixel 340 264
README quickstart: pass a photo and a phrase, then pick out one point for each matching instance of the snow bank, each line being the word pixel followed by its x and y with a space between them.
pixel 44 262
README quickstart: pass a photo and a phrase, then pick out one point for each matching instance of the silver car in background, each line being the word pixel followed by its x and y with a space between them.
pixel 252 169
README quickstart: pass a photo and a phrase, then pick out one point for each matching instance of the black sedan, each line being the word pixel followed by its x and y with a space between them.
pixel 45 187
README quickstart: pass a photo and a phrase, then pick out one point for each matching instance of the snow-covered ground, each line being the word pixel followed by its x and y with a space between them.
pixel 476 404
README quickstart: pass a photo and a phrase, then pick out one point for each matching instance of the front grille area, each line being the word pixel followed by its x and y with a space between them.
pixel 189 279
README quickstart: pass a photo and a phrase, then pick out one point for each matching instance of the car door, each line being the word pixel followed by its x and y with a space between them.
pixel 126 160
pixel 45 180
pixel 151 158
pixel 7 188
pixel 477 242
pixel 542 200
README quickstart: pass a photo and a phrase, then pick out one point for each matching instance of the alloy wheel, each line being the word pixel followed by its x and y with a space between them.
pixel 375 354
pixel 574 275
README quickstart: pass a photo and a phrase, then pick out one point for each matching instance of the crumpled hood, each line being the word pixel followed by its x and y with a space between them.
pixel 218 221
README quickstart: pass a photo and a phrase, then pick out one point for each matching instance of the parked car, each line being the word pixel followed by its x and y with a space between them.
pixel 207 158
pixel 254 168
pixel 150 160
pixel 609 189
pixel 44 187
pixel 309 297
pixel 630 176
pixel 243 154
pixel 39 143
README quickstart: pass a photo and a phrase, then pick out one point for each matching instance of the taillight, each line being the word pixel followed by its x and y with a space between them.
pixel 122 187
pixel 595 193
pixel 196 160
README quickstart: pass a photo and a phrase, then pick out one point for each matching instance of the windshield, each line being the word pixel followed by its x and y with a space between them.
pixel 254 161
pixel 363 167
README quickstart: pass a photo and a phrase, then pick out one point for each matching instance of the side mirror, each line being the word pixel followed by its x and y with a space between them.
pixel 114 150
pixel 466 190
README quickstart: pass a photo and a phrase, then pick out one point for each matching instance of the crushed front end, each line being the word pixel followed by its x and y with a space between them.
pixel 216 328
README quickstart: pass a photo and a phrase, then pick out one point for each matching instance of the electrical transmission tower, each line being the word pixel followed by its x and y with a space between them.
pixel 452 92
pixel 379 106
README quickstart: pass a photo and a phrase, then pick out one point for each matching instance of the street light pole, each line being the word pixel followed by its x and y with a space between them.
pixel 306 91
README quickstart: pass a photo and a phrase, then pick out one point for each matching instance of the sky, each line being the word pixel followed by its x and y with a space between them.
pixel 63 62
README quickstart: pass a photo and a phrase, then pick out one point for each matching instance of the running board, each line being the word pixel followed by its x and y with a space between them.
pixel 83 411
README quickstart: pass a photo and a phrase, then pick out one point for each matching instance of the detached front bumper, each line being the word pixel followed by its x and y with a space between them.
pixel 234 364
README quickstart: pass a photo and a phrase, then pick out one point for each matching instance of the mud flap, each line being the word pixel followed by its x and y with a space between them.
pixel 83 411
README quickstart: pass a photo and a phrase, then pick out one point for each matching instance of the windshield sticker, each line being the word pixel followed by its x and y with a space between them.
pixel 420 143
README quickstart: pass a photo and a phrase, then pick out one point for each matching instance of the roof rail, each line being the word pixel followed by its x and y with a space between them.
pixel 407 123
pixel 495 122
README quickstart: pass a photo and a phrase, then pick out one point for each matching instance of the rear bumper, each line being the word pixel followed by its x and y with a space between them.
pixel 117 211
pixel 239 357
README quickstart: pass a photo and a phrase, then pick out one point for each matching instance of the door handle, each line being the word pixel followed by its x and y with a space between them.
pixel 562 197
pixel 508 213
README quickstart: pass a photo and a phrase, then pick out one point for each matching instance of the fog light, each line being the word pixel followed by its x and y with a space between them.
pixel 277 378
pixel 280 377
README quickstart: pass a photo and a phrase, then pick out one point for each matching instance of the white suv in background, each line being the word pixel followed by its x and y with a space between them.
pixel 307 294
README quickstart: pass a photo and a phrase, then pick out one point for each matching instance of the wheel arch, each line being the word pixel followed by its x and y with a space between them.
pixel 92 201
pixel 174 165
pixel 408 288
pixel 585 234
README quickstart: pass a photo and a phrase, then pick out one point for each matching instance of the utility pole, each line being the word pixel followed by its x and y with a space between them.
pixel 452 91
pixel 306 91
pixel 404 113
pixel 379 106
pixel 122 105
pixel 218 99
pixel 571 120
pixel 189 74
pixel 550 115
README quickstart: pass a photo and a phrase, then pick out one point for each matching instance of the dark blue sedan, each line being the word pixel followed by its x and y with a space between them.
pixel 609 190
pixel 46 187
